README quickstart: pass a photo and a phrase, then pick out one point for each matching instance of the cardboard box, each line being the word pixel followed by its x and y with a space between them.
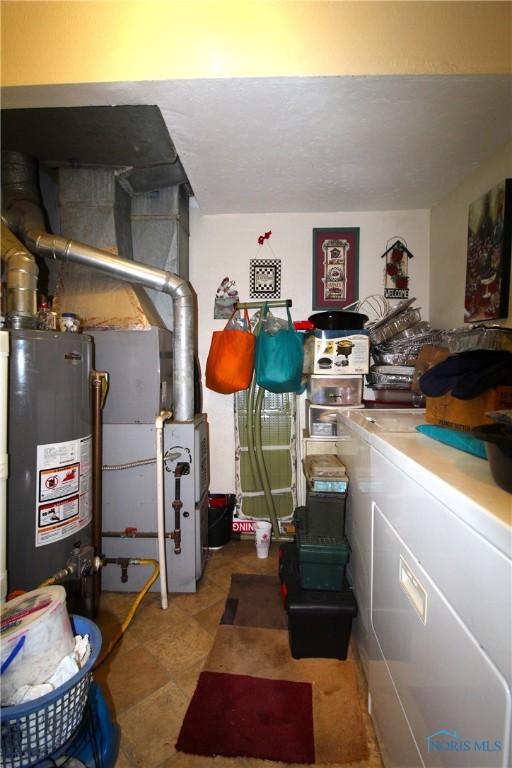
pixel 341 352
pixel 465 414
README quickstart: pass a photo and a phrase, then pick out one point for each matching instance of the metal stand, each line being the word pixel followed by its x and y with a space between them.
pixel 254 405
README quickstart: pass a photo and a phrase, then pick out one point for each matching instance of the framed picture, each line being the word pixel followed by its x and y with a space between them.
pixel 335 267
pixel 265 279
pixel 488 256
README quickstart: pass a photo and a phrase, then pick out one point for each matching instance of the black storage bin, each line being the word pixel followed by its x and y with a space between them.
pixel 319 623
pixel 220 518
pixel 326 513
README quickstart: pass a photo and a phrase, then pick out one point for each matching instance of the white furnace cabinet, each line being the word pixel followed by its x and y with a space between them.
pixel 433 579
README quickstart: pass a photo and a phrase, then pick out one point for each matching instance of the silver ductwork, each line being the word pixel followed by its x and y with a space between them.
pixel 21 272
pixel 23 213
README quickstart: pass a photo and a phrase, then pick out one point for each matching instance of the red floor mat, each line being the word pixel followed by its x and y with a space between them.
pixel 238 715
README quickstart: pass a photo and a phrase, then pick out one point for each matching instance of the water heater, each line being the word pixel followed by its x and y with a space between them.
pixel 49 444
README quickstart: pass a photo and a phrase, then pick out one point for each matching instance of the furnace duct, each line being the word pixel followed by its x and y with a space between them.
pixel 22 210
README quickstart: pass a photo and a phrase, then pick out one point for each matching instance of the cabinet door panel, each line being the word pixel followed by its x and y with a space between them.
pixel 444 679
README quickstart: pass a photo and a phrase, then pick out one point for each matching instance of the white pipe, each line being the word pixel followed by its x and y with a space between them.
pixel 4 376
pixel 160 511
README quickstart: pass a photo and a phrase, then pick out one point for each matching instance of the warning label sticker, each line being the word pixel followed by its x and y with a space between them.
pixel 56 483
pixel 49 514
pixel 64 488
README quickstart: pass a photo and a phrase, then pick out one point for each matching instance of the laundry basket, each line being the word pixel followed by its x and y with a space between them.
pixel 33 730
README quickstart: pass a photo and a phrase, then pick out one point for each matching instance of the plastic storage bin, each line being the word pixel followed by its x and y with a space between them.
pixel 323 551
pixel 335 390
pixel 328 486
pixel 322 420
pixel 319 623
pixel 330 522
pixel 326 513
pixel 322 561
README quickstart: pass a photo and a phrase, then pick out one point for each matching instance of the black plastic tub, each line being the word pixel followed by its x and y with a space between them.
pixel 319 623
pixel 220 518
pixel 338 320
pixel 498 444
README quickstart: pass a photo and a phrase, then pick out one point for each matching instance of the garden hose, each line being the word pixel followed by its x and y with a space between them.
pixel 131 613
pixel 56 578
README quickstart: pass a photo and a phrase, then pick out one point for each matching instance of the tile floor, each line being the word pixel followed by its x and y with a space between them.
pixel 151 675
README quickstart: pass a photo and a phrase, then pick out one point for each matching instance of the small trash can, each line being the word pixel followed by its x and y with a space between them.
pixel 220 518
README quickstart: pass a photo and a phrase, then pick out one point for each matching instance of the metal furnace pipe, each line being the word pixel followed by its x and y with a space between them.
pixel 24 216
pixel 21 271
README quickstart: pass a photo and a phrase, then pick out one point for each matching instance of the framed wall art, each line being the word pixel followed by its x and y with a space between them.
pixel 265 279
pixel 335 267
pixel 488 255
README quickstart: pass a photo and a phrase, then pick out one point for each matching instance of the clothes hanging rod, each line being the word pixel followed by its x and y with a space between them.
pixel 261 304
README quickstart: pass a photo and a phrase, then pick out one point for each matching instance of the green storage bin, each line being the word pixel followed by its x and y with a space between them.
pixel 326 513
pixel 322 520
pixel 322 560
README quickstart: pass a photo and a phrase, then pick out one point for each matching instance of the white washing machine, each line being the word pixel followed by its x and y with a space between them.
pixel 434 588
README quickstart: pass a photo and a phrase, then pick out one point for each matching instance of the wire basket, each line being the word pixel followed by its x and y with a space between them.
pixel 33 730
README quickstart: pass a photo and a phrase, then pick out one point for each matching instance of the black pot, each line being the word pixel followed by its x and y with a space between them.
pixel 338 320
pixel 498 443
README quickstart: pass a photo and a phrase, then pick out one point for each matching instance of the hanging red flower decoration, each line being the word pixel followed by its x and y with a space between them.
pixel 262 238
pixel 391 269
pixel 401 281
pixel 396 255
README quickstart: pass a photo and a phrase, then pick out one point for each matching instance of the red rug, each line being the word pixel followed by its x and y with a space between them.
pixel 239 715
pixel 254 700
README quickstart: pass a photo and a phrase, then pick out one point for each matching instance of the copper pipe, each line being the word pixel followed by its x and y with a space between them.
pixel 99 388
pixel 134 535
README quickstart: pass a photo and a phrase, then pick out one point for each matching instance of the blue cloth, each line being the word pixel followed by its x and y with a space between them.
pixel 460 440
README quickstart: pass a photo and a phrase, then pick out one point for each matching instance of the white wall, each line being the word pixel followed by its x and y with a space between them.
pixel 449 238
pixel 223 245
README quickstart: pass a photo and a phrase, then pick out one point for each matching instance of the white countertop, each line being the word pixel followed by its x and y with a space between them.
pixel 459 480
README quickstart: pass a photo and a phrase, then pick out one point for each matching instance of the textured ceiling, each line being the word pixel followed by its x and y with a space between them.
pixel 315 144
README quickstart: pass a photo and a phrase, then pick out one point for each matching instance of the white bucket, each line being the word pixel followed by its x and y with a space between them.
pixel 34 629
pixel 262 532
